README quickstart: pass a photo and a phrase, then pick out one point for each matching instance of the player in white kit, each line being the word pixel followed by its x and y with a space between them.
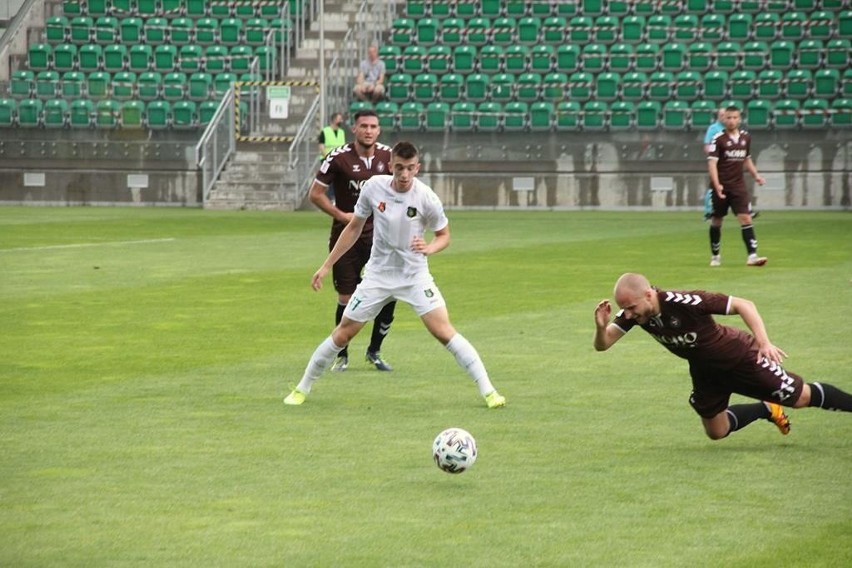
pixel 403 210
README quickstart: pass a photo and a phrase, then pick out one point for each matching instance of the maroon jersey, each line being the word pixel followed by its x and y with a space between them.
pixel 685 326
pixel 346 172
pixel 731 153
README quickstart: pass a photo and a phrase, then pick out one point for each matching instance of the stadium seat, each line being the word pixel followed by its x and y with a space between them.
pixel 184 115
pixel 554 30
pixel 257 29
pixel 106 30
pixel 411 115
pixel 450 87
pixel 55 113
pixel 502 87
pixel 606 30
pixel 594 115
pixel 517 58
pixel 132 114
pixel 416 8
pixel 222 82
pixel 200 86
pixel 40 57
pixel 728 56
pixel 476 87
pixel 30 113
pixel 148 8
pixel 123 86
pixel 189 58
pixel 814 113
pixel 57 29
pixel 826 82
pixel 491 59
pixel 846 84
pixel 414 59
pixel 452 32
pixel 529 29
pixel 131 30
pixel 240 57
pixel 47 84
pixel 464 59
pixel 712 27
pixel 425 87
pixel 647 57
pixel 441 9
pixel 715 84
pixel 357 106
pixel 798 84
pixel 82 30
pixel 743 84
pixel 793 26
pixel 98 84
pixel 702 114
pixel 107 114
pixel 580 86
pixel 197 8
pixel 685 28
pixel 844 24
pixel 766 26
pixel 65 57
pixel 648 115
pixel 542 58
pixel 700 57
pixel 267 58
pixel 426 31
pixel 622 115
pixel 837 53
pixel 755 55
pixel 387 112
pixel 594 58
pixel 216 58
pixel 687 85
pixel 72 85
pixel 581 30
pixel 515 8
pixel 554 86
pixel 159 115
pixel 619 8
pixel 621 57
pixel 769 83
pixel 674 56
pixel 607 86
pixel 140 57
pixel 541 116
pixel 568 115
pixel 71 8
pixel 206 33
pixel 758 115
pixel 633 29
pixel 820 25
pixel 676 115
pixel 391 56
pixel 634 86
pixel 174 86
pixel 809 54
pixel 567 58
pixel 697 6
pixel 462 114
pixel 230 32
pixel 438 59
pixel 399 87
pixel 515 115
pixel 90 59
pixel 165 58
pixel 478 31
pixel 659 28
pixel 841 113
pixel 529 87
pixel 81 113
pixel 181 31
pixel 781 54
pixel 739 27
pixel 149 86
pixel 661 86
pixel 786 113
pixel 542 9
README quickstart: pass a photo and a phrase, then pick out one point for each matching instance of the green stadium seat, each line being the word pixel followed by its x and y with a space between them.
pixel 594 115
pixel 452 32
pixel 685 28
pixel 542 58
pixel 728 56
pixel 621 57
pixel 416 8
pixel 661 86
pixel 206 112
pixel 391 56
pixel 123 86
pixel 411 116
pixel 566 9
pixel 181 31
pixel 200 86
pixel 98 84
pixel 622 115
pixel 793 26
pixel 21 83
pixel 184 115
pixel 827 81
pixel 786 114
pixel 115 58
pixel 489 115
pixel 216 59
pixel 438 59
pixel 399 87
pixel 257 29
pixel 491 59
pixel 634 86
pixel 580 86
pixel 222 82
pixel 781 54
pixel 619 8
pixel 529 87
pixel 107 114
pixel 739 27
pixel 414 59
pixel 504 32
pixel 529 30
pixel 846 84
pixel 81 113
pixel 633 29
pixel 30 113
pixel 189 58
pixel 123 7
pixel 425 87
pixel 805 4
pixel 159 115
pixel 593 7
pixel 230 31
pixel 218 10
pixel 199 8
pixel 387 112
pixel 648 115
pixel 65 57
pixel 140 57
pixel 517 58
pixel 769 82
pixel 502 87
pixel 844 24
pixel 173 7
pixel 700 57
pixel 674 56
pixel 820 25
pixel 581 30
pixel 174 86
pixel 567 58
pixel 606 30
pixel 462 114
pixel 155 31
pixel 240 58
pixel 132 114
pixel 451 87
pixel 90 58
pixel 554 30
pixel 659 28
pixel 106 30
pixel 837 53
pixel 697 6
pixel 647 57
pixel 47 84
pixel 594 57
pixel 766 26
pixel 554 86
pixel 150 86
pixel 82 30
pixel 71 8
pixel 206 32
pixel 468 9
pixel 809 54
pixel 715 84
pixel 743 84
pixel 437 116
pixel 165 58
pixel 72 85
pixel 750 6
pixel 478 31
pixel 357 106
pixel 149 8
pixel 476 87
pixel 542 9
pixel 57 29
pixel 55 113
pixel 814 113
pixel 712 27
pixel 131 30
pixel 568 115
pixel 607 86
pixel 688 85
pixel 703 114
pixel 464 59
pixel 441 9
pixel 40 57
pixel 841 113
pixel 541 116
pixel 755 55
pixel 798 83
pixel 516 8
pixel 676 115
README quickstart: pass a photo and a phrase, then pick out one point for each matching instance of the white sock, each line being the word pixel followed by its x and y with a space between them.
pixel 468 359
pixel 320 361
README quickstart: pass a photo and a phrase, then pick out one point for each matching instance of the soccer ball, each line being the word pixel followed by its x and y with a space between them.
pixel 454 450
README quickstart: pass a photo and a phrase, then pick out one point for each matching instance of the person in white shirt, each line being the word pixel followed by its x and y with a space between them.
pixel 403 210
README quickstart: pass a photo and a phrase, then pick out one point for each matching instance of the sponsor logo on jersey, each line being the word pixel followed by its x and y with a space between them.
pixel 735 154
pixel 412 212
pixel 684 340
pixel 356 168
pixel 382 206
pixel 678 298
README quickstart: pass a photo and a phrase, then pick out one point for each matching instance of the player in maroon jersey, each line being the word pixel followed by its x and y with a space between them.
pixel 346 169
pixel 722 360
pixel 727 155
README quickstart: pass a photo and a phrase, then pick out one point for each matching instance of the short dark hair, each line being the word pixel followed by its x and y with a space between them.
pixel 732 108
pixel 405 150
pixel 364 112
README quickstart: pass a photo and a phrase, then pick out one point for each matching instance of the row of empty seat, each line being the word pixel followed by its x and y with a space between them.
pixel 492 116
pixel 189 8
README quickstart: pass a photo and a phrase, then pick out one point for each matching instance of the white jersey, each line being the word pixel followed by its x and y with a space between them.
pixel 397 219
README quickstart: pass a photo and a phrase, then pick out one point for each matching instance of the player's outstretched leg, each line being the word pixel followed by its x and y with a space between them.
pixel 469 360
pixel 320 361
pixel 381 327
pixel 829 397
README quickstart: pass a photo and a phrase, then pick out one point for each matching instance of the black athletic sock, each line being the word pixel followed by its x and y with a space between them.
pixel 715 240
pixel 337 317
pixel 742 415
pixel 829 397
pixel 381 327
pixel 749 239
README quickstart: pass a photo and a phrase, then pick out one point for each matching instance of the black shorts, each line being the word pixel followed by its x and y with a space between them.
pixel 735 199
pixel 346 272
pixel 712 387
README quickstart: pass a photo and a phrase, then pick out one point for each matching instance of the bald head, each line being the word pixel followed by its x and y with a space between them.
pixel 632 284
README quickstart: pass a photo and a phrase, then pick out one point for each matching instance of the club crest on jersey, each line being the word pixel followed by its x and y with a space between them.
pixel 380 167
pixel 356 168
pixel 429 293
pixel 674 322
pixel 412 212
pixel 382 206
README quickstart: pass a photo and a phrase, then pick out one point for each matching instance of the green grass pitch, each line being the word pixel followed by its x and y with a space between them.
pixel 145 353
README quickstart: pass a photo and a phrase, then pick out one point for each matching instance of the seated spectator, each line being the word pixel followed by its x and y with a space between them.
pixel 369 86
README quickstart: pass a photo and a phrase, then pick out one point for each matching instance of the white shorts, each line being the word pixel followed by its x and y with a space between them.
pixel 373 293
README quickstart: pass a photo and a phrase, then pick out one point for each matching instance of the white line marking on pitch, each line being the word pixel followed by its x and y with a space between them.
pixel 82 245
